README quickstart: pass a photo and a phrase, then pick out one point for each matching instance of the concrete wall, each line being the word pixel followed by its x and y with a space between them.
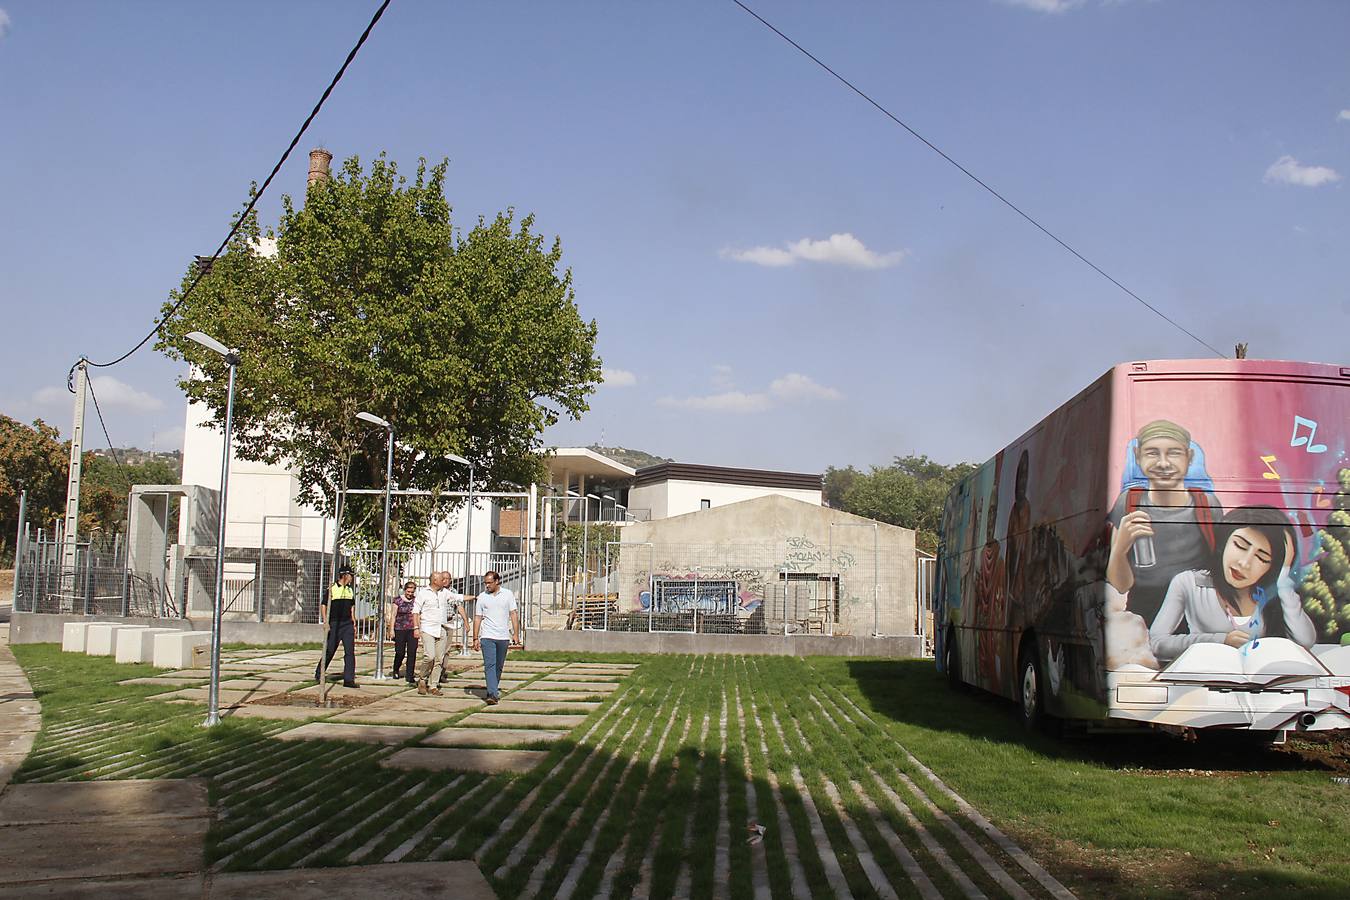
pixel 756 541
pixel 43 628
pixel 905 647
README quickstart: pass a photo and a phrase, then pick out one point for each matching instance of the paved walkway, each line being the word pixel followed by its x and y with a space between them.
pixel 20 713
pixel 141 838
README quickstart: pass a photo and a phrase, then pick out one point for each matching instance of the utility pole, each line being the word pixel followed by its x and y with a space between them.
pixel 68 550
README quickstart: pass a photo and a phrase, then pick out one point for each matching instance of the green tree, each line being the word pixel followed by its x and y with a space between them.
pixel 32 458
pixel 909 493
pixel 1326 585
pixel 837 483
pixel 469 343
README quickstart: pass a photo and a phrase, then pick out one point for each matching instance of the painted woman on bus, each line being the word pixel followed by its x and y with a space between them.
pixel 1163 520
pixel 1246 592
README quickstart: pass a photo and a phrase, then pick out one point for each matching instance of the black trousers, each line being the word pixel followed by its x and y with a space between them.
pixel 405 646
pixel 340 631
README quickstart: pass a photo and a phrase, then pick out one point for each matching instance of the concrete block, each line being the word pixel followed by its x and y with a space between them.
pixel 74 636
pixel 440 759
pixel 369 734
pixel 491 737
pixel 103 637
pixel 173 649
pixel 136 645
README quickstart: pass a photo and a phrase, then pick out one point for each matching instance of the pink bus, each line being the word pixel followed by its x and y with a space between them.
pixel 1170 548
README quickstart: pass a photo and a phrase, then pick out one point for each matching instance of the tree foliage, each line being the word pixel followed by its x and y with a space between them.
pixel 1326 585
pixel 34 459
pixel 909 493
pixel 469 343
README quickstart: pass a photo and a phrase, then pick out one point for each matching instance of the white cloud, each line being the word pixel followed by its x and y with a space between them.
pixel 1287 170
pixel 788 389
pixel 795 386
pixel 728 401
pixel 4 23
pixel 617 377
pixel 837 249
pixel 1045 6
pixel 1343 116
pixel 112 394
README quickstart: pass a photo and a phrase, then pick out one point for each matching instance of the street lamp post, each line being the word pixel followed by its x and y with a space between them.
pixel 231 358
pixel 468 547
pixel 384 544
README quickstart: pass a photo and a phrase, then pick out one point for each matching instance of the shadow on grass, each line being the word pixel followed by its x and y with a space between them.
pixel 914 693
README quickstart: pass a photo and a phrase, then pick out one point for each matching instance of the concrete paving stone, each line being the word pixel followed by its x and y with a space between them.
pixel 490 737
pixel 395 715
pixel 367 689
pixel 370 734
pixel 199 674
pixel 93 801
pixel 18 722
pixel 21 707
pixel 203 695
pixel 541 706
pixel 594 687
pixel 260 685
pixel 430 703
pixel 100 849
pixel 405 879
pixel 587 670
pixel 552 696
pixel 292 677
pixel 521 720
pixel 617 667
pixel 182 887
pixel 16 743
pixel 475 759
pixel 258 711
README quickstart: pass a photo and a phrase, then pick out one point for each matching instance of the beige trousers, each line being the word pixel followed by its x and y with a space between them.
pixel 433 656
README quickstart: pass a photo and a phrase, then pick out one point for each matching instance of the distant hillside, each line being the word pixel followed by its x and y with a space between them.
pixel 635 459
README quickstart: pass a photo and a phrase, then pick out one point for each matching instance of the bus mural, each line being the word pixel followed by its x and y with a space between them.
pixel 1171 546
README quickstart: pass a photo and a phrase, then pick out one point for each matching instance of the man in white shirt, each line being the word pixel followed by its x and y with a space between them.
pixel 496 625
pixel 431 612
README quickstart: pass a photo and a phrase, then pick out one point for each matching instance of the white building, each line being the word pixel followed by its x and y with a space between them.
pixel 673 489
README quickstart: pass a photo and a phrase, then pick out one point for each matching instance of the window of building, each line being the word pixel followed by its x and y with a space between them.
pixel 705 504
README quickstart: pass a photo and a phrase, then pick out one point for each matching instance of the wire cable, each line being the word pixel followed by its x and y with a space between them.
pixel 975 178
pixel 204 265
pixel 112 448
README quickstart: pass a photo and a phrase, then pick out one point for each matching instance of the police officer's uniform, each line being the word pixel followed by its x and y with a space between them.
pixel 341 605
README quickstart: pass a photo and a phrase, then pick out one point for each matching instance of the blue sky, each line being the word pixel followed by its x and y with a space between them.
pixel 782 277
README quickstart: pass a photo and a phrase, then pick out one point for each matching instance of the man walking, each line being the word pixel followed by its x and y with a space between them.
pixel 339 613
pixel 431 611
pixel 496 625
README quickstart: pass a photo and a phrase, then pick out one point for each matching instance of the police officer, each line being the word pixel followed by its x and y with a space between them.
pixel 339 612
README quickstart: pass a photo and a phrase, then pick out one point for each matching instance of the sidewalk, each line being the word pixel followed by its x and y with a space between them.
pixel 146 838
pixel 20 713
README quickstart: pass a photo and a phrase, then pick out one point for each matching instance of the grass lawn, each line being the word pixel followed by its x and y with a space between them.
pixel 653 793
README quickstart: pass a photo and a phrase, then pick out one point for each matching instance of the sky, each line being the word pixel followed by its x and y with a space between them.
pixel 782 277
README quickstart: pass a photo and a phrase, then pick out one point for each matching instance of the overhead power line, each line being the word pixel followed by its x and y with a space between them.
pixel 975 178
pixel 204 263
pixel 112 448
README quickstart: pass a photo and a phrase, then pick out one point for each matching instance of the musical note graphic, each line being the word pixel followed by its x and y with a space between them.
pixel 1306 440
pixel 1272 475
pixel 1323 501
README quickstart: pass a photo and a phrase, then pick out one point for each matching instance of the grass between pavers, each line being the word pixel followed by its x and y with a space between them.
pixel 1114 816
pixel 629 804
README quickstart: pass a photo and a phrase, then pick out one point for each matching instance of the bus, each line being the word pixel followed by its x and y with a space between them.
pixel 1169 548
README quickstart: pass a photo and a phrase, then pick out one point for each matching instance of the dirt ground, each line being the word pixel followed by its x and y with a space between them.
pixel 6 584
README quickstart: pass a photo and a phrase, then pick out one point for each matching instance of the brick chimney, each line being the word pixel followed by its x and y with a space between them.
pixel 319 159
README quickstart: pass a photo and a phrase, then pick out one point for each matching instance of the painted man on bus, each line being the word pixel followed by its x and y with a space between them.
pixel 1164 528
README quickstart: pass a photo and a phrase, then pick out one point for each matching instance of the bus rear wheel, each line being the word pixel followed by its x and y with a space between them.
pixel 1031 689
